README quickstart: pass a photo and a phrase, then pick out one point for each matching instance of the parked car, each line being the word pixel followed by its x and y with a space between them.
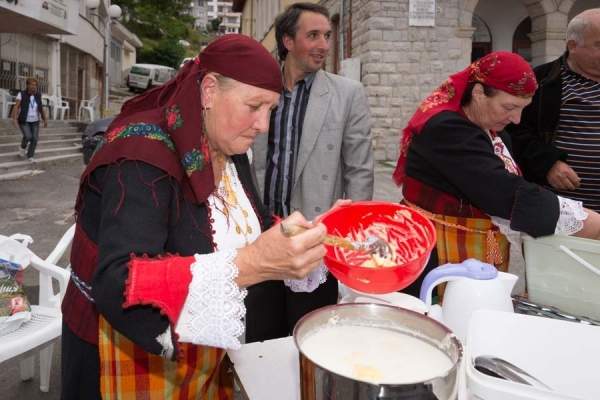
pixel 92 135
pixel 146 76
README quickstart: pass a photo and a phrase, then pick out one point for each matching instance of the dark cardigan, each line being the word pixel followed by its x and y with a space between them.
pixel 533 138
pixel 455 156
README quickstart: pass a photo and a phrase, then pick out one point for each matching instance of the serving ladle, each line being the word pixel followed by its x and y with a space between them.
pixel 372 244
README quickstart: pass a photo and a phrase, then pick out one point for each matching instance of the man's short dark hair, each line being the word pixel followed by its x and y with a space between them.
pixel 286 23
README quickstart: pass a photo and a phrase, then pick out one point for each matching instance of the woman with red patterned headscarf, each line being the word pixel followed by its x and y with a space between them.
pixel 169 234
pixel 455 165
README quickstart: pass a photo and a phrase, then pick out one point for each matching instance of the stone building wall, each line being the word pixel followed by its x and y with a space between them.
pixel 401 64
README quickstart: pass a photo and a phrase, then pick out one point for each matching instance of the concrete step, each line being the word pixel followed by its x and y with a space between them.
pixel 58 143
pixel 7 122
pixel 13 156
pixel 47 136
pixel 15 131
pixel 9 146
pixel 17 169
pixel 8 151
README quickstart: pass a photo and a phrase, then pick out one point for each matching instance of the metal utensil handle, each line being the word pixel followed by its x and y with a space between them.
pixel 491 364
pixel 579 259
pixel 290 230
pixel 523 306
pixel 508 371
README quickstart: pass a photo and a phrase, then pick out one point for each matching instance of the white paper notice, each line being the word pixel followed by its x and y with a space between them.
pixel 421 13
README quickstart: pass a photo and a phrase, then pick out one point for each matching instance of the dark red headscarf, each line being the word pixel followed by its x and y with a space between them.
pixel 163 127
pixel 501 70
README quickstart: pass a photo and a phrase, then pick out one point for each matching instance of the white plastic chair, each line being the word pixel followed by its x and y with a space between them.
pixel 48 102
pixel 7 101
pixel 87 105
pixel 46 319
pixel 60 107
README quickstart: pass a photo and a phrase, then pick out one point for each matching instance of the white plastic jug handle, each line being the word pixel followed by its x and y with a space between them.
pixel 579 259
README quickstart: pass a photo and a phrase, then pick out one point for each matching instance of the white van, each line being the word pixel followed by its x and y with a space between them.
pixel 145 76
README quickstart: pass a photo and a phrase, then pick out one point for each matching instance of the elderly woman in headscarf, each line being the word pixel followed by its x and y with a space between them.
pixel 455 165
pixel 169 235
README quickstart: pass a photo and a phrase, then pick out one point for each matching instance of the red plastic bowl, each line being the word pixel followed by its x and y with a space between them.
pixel 342 220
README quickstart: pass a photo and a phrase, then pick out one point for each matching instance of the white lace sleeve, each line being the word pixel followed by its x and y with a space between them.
pixel 214 307
pixel 315 278
pixel 571 217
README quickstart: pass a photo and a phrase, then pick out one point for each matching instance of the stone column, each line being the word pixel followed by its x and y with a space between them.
pixel 547 36
pixel 464 36
pixel 54 64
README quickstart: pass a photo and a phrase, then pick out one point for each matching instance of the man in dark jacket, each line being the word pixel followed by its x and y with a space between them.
pixel 26 116
pixel 557 142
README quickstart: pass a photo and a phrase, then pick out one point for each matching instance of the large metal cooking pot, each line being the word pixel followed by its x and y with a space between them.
pixel 319 383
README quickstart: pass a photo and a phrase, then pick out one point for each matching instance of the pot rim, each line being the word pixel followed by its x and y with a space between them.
pixel 452 336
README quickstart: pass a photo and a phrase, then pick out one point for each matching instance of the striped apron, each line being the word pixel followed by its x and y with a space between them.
pixel 127 372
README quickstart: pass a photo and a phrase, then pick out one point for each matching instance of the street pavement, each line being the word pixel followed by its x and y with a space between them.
pixel 42 207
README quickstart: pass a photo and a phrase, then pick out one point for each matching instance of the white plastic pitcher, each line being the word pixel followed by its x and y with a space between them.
pixel 472 285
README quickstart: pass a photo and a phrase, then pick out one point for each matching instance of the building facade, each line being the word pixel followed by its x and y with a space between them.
pixel 61 43
pixel 230 20
pixel 400 57
pixel 26 48
pixel 123 53
pixel 199 10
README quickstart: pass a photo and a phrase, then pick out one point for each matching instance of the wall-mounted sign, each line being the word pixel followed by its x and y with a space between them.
pixel 421 13
pixel 55 8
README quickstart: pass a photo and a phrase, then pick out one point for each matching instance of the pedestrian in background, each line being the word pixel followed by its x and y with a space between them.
pixel 318 150
pixel 557 143
pixel 26 115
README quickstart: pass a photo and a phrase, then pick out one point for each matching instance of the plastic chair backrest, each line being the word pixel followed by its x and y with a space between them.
pixel 45 325
pixel 89 106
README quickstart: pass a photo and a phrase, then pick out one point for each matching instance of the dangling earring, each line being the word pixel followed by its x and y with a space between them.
pixel 205 111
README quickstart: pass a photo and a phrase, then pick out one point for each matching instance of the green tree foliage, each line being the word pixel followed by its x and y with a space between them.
pixel 166 52
pixel 198 40
pixel 160 24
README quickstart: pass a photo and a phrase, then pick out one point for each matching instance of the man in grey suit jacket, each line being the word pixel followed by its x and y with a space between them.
pixel 318 150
